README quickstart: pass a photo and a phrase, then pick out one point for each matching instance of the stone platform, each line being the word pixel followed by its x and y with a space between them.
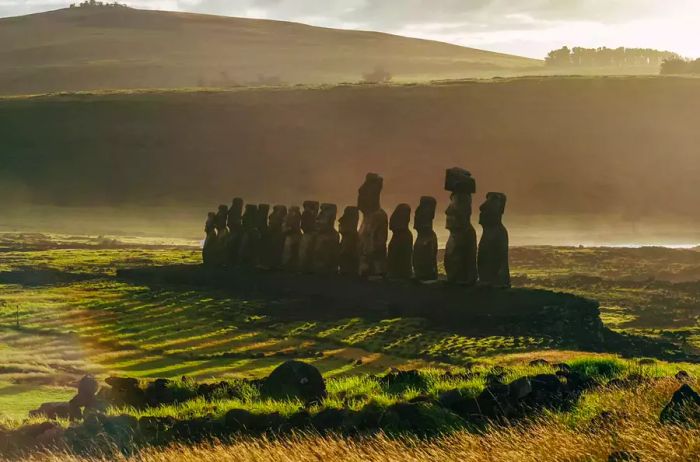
pixel 477 311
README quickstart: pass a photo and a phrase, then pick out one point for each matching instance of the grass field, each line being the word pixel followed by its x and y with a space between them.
pixel 63 314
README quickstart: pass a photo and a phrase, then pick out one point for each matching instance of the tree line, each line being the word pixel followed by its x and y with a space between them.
pixel 680 66
pixel 92 3
pixel 607 57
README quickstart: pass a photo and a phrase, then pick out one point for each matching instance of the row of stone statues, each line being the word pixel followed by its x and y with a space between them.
pixel 307 241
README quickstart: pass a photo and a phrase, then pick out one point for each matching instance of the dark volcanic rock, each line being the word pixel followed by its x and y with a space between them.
pixel 683 409
pixel 52 411
pixel 295 379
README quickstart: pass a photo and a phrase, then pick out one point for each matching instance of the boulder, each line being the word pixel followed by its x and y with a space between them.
pixel 683 409
pixel 295 379
pixel 159 393
pixel 52 411
pixel 240 420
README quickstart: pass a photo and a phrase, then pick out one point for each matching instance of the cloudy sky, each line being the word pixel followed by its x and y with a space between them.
pixel 524 27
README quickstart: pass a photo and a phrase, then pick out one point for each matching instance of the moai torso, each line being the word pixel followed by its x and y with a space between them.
pixel 349 259
pixel 374 230
pixel 264 230
pixel 494 269
pixel 327 245
pixel 461 249
pixel 235 230
pixel 308 240
pixel 248 252
pixel 292 239
pixel 274 246
pixel 210 241
pixel 426 247
pixel 400 253
pixel 220 253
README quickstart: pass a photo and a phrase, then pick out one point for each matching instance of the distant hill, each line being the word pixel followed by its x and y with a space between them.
pixel 557 146
pixel 108 47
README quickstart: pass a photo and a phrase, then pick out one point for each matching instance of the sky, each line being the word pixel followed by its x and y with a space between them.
pixel 522 27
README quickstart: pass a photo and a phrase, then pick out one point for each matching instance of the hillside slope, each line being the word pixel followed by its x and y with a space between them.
pixel 623 146
pixel 100 47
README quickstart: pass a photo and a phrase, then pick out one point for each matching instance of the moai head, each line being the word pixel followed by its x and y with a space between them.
pixel 221 217
pixel 349 221
pixel 263 213
pixel 425 214
pixel 250 216
pixel 326 218
pixel 309 216
pixel 235 211
pixel 461 184
pixel 368 197
pixel 279 213
pixel 493 209
pixel 211 223
pixel 292 222
pixel 400 218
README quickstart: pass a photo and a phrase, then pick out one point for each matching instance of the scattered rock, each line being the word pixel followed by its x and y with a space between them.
pixel 520 388
pixel 239 420
pixel 683 409
pixel 52 411
pixel 538 363
pixel 295 379
pixel 159 393
pixel 330 419
pixel 682 376
pixel 125 392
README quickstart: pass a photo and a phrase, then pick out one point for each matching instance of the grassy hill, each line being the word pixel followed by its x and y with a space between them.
pixel 626 147
pixel 100 47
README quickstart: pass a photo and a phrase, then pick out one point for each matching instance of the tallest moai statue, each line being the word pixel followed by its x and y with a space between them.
pixel 374 231
pixel 460 253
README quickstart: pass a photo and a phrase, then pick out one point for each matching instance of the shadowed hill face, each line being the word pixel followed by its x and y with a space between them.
pixel 625 146
pixel 98 48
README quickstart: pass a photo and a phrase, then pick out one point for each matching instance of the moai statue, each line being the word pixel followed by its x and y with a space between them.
pixel 308 240
pixel 292 239
pixel 349 260
pixel 426 247
pixel 209 247
pixel 220 253
pixel 374 230
pixel 460 252
pixel 263 228
pixel 235 229
pixel 493 247
pixel 327 245
pixel 273 245
pixel 250 239
pixel 401 245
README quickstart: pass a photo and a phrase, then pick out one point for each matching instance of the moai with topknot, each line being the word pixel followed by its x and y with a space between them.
pixel 273 245
pixel 292 239
pixel 327 245
pixel 248 252
pixel 461 249
pixel 400 253
pixel 349 259
pixel 425 249
pixel 262 218
pixel 374 230
pixel 235 229
pixel 493 248
pixel 209 247
pixel 308 240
